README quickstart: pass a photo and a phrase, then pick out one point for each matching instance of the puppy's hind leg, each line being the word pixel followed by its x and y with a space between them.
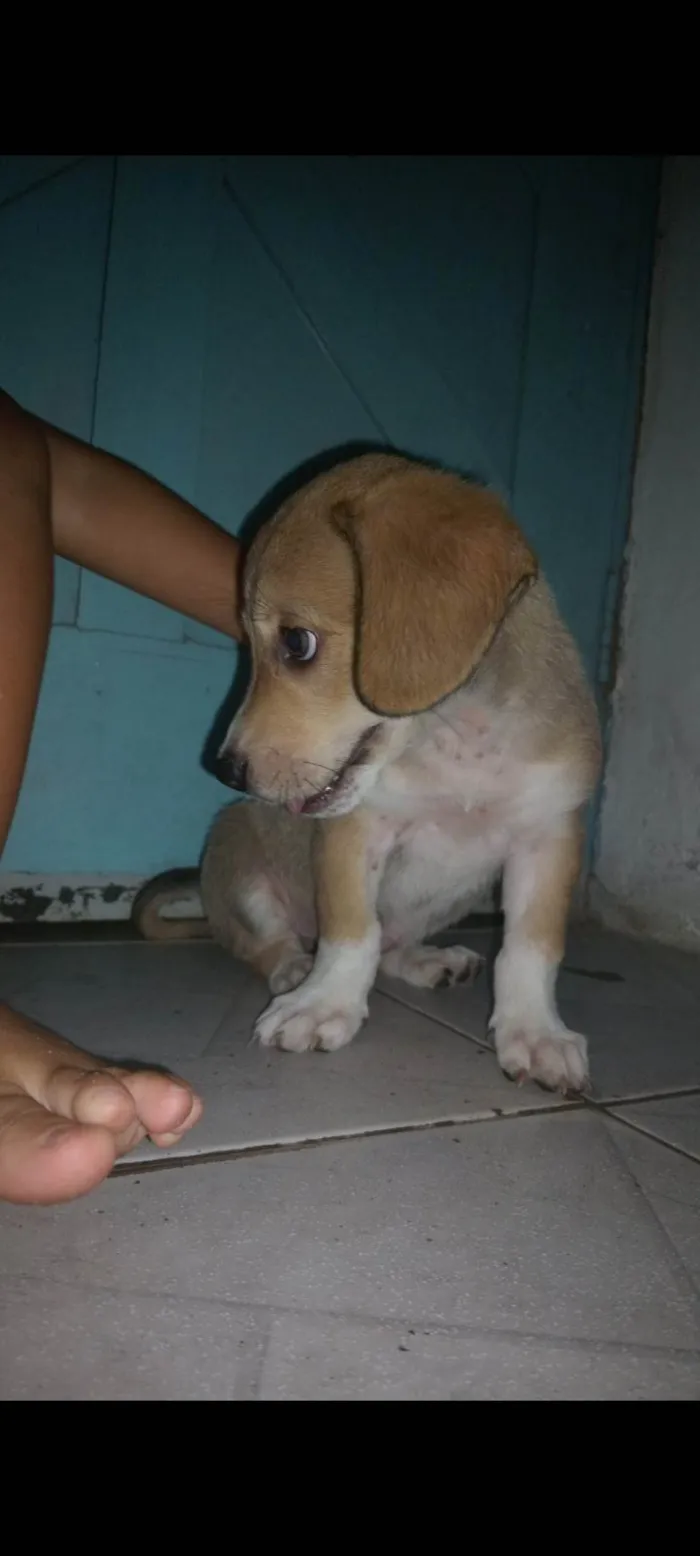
pixel 259 932
pixel 251 923
pixel 277 952
pixel 432 966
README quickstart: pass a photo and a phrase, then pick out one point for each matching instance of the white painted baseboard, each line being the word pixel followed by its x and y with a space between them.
pixel 64 899
pixel 27 898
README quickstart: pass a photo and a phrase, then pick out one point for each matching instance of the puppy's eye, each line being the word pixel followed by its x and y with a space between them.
pixel 298 644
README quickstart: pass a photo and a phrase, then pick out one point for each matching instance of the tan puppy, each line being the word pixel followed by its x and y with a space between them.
pixel 417 723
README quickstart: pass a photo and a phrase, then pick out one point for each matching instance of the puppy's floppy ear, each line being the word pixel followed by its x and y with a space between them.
pixel 438 563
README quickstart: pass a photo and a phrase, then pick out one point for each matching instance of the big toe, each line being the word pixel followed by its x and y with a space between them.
pixel 45 1160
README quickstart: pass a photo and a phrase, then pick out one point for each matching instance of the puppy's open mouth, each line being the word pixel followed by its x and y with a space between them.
pixel 318 802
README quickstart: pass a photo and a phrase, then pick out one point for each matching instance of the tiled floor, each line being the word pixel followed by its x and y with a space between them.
pixel 395 1221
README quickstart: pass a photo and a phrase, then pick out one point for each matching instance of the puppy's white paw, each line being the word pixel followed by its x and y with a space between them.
pixel 555 1057
pixel 297 1023
pixel 433 966
pixel 290 974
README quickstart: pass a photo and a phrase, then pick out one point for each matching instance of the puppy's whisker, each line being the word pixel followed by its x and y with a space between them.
pixel 304 762
pixel 334 771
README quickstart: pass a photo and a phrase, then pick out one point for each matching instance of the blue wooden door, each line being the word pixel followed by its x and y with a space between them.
pixel 218 320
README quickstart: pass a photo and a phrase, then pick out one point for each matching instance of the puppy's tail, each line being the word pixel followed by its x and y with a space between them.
pixel 149 910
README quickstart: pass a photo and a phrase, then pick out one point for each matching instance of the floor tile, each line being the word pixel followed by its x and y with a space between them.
pixel 192 1008
pixel 61 1343
pixel 401 1070
pixel 671 1184
pixel 530 1226
pixel 157 1004
pixel 503 1256
pixel 637 1005
pixel 337 1359
pixel 635 1049
pixel 674 1120
pixel 622 968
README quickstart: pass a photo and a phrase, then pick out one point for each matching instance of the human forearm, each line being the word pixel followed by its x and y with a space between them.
pixel 117 521
pixel 26 573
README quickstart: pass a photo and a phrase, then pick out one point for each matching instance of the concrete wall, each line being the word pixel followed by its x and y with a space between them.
pixel 647 873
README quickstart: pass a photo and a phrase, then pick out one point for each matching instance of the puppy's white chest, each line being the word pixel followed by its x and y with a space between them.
pixel 460 765
pixel 466 773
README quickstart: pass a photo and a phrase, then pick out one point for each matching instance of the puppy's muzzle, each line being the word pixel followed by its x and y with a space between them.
pixel 232 770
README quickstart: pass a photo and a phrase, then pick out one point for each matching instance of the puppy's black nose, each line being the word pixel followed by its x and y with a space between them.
pixel 232 770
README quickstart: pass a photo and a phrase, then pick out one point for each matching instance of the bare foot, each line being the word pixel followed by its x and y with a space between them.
pixel 65 1117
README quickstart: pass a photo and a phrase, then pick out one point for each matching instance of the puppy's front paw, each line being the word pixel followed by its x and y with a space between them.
pixel 555 1057
pixel 297 1023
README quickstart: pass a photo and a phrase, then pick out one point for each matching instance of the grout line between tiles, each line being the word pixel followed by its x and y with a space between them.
pixel 439 1021
pixel 627 1100
pixel 632 1098
pixel 601 1102
pixel 639 1129
pixel 685 1274
pixel 255 1307
pixel 129 1169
